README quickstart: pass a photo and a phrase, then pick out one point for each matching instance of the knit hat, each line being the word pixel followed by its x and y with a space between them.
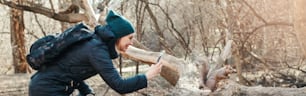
pixel 119 25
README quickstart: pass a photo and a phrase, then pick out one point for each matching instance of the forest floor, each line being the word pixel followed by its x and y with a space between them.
pixel 156 87
pixel 17 84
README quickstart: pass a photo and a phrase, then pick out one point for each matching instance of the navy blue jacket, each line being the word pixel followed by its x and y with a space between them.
pixel 80 62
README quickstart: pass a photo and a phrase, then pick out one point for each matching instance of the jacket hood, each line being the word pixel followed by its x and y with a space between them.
pixel 108 37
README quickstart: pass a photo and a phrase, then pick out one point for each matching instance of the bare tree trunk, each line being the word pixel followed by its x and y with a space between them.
pixel 139 10
pixel 300 23
pixel 89 12
pixel 18 41
pixel 161 37
pixel 238 65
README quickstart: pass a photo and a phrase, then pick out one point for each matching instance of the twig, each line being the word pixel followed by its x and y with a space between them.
pixel 40 26
pixel 143 94
pixel 5 32
pixel 32 34
pixel 177 34
pixel 254 12
pixel 253 31
pixel 299 69
pixel 262 60
pixel 104 94
pixel 161 38
pixel 52 7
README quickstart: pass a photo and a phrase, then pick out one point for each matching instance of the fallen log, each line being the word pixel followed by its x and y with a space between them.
pixel 169 70
pixel 231 88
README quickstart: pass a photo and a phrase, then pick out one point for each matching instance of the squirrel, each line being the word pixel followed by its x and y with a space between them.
pixel 211 80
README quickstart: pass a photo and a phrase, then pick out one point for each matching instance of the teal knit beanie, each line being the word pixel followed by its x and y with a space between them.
pixel 119 25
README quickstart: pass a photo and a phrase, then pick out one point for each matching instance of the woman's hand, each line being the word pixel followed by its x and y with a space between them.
pixel 154 70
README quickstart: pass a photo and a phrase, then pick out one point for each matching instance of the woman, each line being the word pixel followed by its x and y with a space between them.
pixel 86 59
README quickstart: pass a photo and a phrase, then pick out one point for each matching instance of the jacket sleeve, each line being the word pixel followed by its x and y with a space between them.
pixel 101 61
pixel 84 89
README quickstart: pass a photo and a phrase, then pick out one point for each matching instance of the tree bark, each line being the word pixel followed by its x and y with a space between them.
pixel 18 41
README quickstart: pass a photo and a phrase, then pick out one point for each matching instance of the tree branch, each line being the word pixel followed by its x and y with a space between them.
pixel 158 30
pixel 35 8
pixel 254 12
pixel 176 33
pixel 40 26
pixel 52 7
pixel 265 25
pixel 262 60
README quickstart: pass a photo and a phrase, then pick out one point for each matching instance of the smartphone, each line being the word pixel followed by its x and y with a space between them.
pixel 160 55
